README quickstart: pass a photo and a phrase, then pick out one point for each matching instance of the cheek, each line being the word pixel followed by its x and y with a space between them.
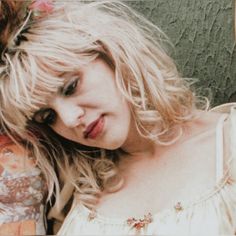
pixel 65 132
pixel 58 127
pixel 126 115
pixel 60 130
pixel 118 130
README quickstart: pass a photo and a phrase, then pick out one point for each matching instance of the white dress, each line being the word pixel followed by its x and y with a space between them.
pixel 212 213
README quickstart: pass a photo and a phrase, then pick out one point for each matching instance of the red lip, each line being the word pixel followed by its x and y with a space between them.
pixel 94 128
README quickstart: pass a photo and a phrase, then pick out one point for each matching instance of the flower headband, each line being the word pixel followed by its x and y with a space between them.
pixel 41 6
pixel 17 13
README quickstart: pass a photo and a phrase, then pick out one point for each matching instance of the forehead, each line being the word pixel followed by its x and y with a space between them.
pixel 50 79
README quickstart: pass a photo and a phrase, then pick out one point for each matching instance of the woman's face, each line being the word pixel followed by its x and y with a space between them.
pixel 89 109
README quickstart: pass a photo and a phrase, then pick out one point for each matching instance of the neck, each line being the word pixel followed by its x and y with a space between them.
pixel 138 145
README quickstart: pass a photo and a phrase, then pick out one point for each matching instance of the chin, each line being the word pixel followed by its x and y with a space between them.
pixel 113 146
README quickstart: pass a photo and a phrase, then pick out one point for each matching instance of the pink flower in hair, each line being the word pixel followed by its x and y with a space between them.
pixel 45 6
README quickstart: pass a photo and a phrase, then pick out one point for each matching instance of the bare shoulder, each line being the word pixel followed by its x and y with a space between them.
pixel 204 121
pixel 200 148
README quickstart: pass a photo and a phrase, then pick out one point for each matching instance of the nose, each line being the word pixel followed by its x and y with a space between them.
pixel 68 111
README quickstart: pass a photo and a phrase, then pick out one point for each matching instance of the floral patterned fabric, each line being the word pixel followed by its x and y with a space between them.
pixel 22 192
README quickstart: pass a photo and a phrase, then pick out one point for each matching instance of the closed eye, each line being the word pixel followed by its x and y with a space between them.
pixel 70 87
pixel 45 116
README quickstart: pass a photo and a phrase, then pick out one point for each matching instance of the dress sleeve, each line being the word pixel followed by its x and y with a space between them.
pixel 230 108
pixel 232 133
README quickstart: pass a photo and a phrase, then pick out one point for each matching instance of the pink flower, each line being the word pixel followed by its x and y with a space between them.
pixel 42 6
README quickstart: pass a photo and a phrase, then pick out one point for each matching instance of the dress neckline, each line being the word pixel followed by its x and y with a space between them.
pixel 221 180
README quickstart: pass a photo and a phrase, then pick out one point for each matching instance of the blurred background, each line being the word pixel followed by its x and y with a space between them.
pixel 202 32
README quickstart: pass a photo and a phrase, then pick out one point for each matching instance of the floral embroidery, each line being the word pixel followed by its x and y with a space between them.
pixel 139 224
pixel 45 6
pixel 178 206
pixel 229 180
pixel 92 215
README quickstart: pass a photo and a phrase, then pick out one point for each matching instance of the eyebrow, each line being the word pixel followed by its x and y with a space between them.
pixel 77 71
pixel 67 75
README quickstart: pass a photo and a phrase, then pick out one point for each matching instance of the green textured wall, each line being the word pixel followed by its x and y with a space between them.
pixel 203 35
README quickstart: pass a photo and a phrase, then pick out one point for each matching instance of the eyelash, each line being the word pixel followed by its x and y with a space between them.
pixel 48 116
pixel 70 88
